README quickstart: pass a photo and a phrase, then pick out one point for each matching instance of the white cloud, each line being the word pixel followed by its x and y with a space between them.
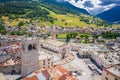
pixel 97 7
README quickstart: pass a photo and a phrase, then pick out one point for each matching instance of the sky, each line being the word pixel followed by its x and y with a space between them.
pixel 95 7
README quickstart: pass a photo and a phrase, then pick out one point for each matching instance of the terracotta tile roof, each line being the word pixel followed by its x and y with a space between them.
pixel 31 78
pixel 56 73
pixel 1 64
pixel 38 75
pixel 62 77
pixel 67 77
pixel 11 62
pixel 60 69
pixel 46 74
pixel 59 73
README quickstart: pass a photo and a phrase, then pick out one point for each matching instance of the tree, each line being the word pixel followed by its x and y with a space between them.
pixel 65 23
pixel 20 23
pixel 2 29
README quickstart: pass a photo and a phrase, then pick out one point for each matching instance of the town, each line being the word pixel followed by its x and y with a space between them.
pixel 59 53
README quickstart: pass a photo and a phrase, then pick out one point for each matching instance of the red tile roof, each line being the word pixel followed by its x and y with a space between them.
pixel 62 70
pixel 31 78
pixel 56 73
pixel 46 74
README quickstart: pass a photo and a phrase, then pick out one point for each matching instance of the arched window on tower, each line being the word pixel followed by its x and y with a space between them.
pixel 34 46
pixel 30 47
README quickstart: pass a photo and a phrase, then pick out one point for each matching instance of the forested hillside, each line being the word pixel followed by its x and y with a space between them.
pixel 15 13
pixel 13 0
pixel 61 7
pixel 23 9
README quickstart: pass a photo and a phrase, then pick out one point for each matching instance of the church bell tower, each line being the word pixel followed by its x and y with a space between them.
pixel 30 55
pixel 53 32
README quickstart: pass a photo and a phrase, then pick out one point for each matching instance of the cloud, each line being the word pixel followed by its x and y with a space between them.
pixel 95 7
pixel 60 0
pixel 88 4
pixel 99 9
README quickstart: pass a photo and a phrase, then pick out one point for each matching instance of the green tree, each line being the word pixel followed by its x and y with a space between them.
pixel 20 23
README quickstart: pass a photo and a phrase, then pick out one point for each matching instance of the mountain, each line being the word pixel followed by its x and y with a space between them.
pixel 111 15
pixel 62 7
pixel 46 13
pixel 12 0
pixel 59 6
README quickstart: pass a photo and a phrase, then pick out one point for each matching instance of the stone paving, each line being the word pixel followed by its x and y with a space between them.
pixel 80 66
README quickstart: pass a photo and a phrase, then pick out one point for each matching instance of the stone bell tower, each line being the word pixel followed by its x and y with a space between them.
pixel 53 32
pixel 30 55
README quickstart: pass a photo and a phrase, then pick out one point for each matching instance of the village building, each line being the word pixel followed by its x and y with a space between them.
pixel 111 73
pixel 59 48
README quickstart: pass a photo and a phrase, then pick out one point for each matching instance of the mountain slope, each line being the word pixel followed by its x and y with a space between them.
pixel 46 13
pixel 13 0
pixel 111 15
pixel 62 7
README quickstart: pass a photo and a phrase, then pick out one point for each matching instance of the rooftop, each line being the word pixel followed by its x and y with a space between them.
pixel 108 58
pixel 54 42
pixel 91 47
pixel 115 70
pixel 56 73
pixel 6 54
pixel 43 55
pixel 30 38
pixel 11 62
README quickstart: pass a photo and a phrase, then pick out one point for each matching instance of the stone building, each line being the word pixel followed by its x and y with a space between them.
pixel 111 73
pixel 30 55
pixel 10 61
pixel 45 60
pixel 61 49
pixel 53 33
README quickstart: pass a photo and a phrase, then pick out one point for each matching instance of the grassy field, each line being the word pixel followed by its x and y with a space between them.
pixel 14 22
pixel 68 20
pixel 116 26
pixel 64 35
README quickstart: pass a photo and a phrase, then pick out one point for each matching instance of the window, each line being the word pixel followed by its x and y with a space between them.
pixel 30 47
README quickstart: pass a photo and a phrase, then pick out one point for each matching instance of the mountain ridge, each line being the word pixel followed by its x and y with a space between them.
pixel 47 13
pixel 64 4
pixel 111 15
